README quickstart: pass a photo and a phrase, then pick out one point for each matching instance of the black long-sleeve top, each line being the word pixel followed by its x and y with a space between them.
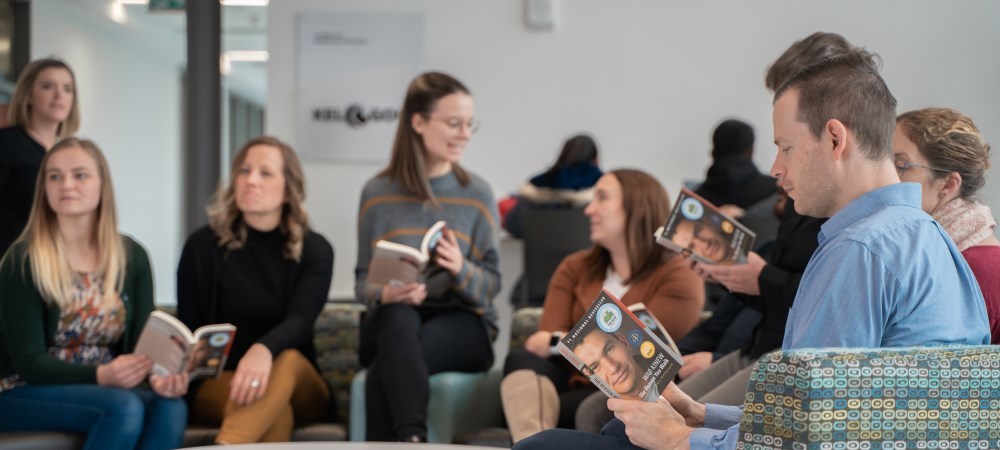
pixel 272 300
pixel 20 160
pixel 779 280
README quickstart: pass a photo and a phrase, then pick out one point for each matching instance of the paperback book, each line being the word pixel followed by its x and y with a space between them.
pixel 397 264
pixel 175 349
pixel 619 353
pixel 698 229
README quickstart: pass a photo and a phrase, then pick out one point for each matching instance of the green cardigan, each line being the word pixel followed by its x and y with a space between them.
pixel 28 324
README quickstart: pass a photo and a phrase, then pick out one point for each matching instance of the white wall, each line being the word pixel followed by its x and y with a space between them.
pixel 649 79
pixel 128 86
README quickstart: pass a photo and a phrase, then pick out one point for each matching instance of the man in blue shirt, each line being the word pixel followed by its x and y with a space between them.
pixel 885 273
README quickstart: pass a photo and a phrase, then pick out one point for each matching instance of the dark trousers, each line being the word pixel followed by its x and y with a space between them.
pixel 612 437
pixel 402 347
pixel 559 371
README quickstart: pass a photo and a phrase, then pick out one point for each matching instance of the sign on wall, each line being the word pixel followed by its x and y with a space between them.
pixel 353 72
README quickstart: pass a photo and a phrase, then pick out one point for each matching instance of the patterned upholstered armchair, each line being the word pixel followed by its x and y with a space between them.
pixel 927 397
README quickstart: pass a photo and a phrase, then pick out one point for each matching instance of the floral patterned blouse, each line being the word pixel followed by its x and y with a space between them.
pixel 87 330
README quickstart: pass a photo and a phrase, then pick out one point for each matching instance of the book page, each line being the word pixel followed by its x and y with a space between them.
pixel 165 344
pixel 429 243
pixel 395 264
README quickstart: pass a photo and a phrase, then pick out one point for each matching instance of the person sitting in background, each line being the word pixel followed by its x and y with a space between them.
pixel 448 322
pixel 257 265
pixel 43 109
pixel 541 391
pixel 733 179
pixel 942 149
pixel 76 295
pixel 568 182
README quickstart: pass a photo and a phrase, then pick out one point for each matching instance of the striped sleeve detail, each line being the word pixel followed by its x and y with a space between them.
pixel 380 199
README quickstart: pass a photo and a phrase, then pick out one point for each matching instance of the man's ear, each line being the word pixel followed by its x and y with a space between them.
pixel 838 137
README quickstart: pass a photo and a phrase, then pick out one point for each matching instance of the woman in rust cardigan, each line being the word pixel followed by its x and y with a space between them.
pixel 541 390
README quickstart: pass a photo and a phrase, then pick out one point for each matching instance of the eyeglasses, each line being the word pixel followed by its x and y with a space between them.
pixel 902 167
pixel 456 124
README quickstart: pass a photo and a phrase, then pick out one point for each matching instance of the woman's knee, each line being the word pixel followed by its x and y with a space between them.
pixel 124 411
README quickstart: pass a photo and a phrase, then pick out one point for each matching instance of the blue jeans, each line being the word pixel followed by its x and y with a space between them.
pixel 112 418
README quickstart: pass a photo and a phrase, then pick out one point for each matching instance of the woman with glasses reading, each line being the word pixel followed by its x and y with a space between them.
pixel 447 322
pixel 942 149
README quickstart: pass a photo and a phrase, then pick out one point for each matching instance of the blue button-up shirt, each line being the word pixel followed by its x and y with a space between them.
pixel 885 275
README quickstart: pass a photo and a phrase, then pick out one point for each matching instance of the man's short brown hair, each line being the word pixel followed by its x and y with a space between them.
pixel 847 87
pixel 803 53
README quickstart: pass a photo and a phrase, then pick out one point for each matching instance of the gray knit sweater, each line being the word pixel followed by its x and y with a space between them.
pixel 387 212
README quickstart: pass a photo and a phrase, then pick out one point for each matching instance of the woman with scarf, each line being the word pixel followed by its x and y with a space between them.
pixel 942 149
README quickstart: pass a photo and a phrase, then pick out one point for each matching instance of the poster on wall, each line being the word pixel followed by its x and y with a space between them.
pixel 353 73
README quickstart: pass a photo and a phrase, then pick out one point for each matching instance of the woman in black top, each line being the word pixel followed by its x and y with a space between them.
pixel 43 110
pixel 257 265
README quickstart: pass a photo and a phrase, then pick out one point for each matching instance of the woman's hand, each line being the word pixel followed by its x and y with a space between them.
pixel 538 343
pixel 449 254
pixel 412 294
pixel 125 371
pixel 739 278
pixel 250 381
pixel 170 386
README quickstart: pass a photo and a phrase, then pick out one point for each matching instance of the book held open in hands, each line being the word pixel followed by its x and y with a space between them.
pixel 619 353
pixel 699 229
pixel 397 264
pixel 174 348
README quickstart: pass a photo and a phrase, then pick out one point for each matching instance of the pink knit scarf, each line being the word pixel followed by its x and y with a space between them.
pixel 967 222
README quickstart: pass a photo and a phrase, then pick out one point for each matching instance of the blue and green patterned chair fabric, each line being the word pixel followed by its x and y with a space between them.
pixel 902 398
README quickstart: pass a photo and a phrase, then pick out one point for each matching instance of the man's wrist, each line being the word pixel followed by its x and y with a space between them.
pixel 697 415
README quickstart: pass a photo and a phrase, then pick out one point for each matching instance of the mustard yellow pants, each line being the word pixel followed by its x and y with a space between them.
pixel 295 393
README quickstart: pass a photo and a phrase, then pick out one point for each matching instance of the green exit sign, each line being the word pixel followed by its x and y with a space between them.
pixel 167 5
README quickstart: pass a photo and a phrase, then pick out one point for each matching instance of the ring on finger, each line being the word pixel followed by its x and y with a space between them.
pixel 255 384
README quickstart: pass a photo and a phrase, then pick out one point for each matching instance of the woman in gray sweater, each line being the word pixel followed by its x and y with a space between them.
pixel 447 322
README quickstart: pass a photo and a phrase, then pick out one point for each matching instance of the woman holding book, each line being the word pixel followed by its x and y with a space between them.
pixel 258 266
pixel 541 391
pixel 447 322
pixel 942 149
pixel 76 295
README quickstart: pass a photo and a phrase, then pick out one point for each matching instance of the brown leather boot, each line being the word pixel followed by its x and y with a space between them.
pixel 530 403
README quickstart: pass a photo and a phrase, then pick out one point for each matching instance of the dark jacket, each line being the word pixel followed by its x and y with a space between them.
pixel 735 180
pixel 20 160
pixel 29 324
pixel 794 245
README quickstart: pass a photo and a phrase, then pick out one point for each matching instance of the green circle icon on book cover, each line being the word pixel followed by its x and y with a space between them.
pixel 609 317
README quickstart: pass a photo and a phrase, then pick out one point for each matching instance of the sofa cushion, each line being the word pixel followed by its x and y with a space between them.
pixel 920 397
pixel 40 441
